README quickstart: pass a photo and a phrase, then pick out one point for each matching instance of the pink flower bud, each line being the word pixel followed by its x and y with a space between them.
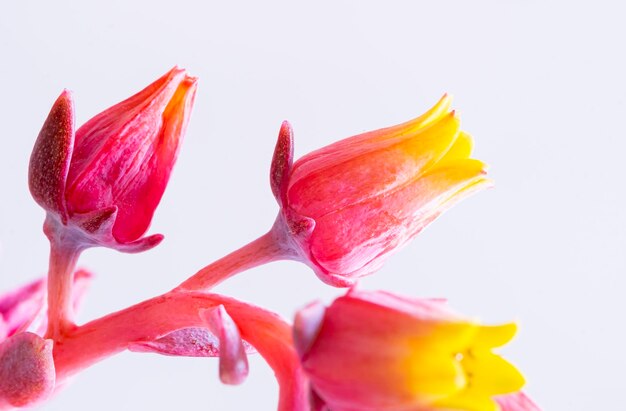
pixel 375 351
pixel 348 206
pixel 27 373
pixel 105 180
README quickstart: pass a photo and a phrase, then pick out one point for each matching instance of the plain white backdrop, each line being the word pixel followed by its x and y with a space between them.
pixel 540 85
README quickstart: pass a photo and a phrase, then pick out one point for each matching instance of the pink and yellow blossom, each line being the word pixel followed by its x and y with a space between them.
pixel 348 206
pixel 376 351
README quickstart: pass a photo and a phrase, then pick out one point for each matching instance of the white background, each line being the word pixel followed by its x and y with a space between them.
pixel 539 84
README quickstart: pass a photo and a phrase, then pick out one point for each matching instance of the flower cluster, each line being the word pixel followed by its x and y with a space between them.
pixel 344 209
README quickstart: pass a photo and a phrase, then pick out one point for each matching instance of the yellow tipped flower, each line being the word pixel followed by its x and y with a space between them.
pixel 375 351
pixel 350 205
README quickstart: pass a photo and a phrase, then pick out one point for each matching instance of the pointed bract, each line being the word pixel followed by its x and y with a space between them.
pixel 282 162
pixel 233 358
pixel 50 159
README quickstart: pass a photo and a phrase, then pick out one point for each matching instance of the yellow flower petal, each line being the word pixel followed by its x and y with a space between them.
pixel 440 109
pixel 489 374
pixel 435 375
pixel 461 149
pixel 467 401
pixel 437 138
pixel 443 337
pixel 494 336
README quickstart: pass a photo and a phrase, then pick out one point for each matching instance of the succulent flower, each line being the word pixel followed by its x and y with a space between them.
pixel 378 351
pixel 348 206
pixel 104 181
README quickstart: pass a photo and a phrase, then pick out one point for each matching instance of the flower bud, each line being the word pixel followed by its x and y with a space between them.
pixel 348 206
pixel 27 373
pixel 104 181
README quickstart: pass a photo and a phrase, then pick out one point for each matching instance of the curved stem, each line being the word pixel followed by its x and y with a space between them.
pixel 151 319
pixel 63 258
pixel 271 246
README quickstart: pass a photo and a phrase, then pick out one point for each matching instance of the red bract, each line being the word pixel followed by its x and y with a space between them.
pixel 347 206
pixel 105 180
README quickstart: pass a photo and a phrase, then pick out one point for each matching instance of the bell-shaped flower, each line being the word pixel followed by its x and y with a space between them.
pixel 104 181
pixel 375 351
pixel 347 206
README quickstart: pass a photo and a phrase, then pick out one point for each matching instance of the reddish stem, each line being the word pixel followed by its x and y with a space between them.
pixel 63 258
pixel 267 332
pixel 271 246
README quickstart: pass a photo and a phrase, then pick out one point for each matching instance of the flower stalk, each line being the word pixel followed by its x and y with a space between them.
pixel 267 332
pixel 271 246
pixel 64 254
pixel 343 209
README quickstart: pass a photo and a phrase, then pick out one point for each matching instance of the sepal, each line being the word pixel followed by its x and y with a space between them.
pixel 282 163
pixel 50 159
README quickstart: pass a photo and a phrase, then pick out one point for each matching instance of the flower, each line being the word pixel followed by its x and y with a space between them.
pixel 104 181
pixel 347 206
pixel 378 351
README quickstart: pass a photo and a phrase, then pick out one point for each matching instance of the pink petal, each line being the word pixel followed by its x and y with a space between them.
pixel 306 326
pixel 20 307
pixel 516 402
pixel 24 308
pixel 124 155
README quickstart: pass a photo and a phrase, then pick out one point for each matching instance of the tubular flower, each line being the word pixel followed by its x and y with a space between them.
pixel 105 180
pixel 349 205
pixel 377 351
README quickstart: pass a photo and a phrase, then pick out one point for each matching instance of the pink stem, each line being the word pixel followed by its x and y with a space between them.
pixel 267 332
pixel 63 258
pixel 271 246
